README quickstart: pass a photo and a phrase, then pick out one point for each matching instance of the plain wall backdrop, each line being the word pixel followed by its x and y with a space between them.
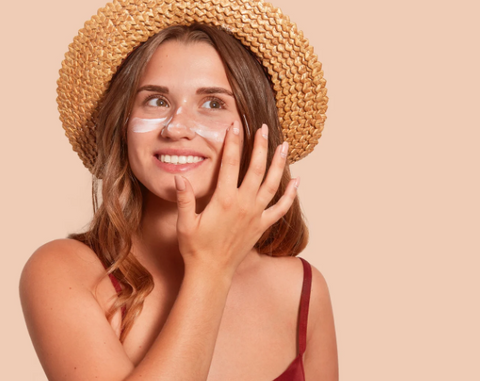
pixel 391 193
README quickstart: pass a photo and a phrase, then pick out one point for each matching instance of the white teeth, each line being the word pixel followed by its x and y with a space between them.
pixel 174 159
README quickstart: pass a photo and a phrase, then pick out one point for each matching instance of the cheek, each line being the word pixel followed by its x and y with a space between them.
pixel 139 125
pixel 137 150
pixel 210 128
pixel 213 127
pixel 215 136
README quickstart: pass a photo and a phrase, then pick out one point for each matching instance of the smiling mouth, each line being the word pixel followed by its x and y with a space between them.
pixel 178 160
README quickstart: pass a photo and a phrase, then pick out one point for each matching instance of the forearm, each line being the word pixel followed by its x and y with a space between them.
pixel 184 348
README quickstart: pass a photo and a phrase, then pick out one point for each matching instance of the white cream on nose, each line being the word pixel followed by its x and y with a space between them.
pixel 214 131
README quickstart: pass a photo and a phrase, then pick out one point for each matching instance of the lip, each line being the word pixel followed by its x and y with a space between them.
pixel 177 168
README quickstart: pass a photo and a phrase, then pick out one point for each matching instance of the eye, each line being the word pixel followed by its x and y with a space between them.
pixel 155 101
pixel 214 103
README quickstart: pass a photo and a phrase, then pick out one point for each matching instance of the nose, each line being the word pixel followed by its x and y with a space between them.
pixel 179 126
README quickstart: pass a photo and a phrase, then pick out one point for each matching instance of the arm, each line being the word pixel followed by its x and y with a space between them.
pixel 73 339
pixel 321 361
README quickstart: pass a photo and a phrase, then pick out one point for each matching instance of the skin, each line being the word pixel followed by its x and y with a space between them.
pixel 219 310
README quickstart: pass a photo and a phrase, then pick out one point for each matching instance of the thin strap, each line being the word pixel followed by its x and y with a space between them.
pixel 115 282
pixel 304 304
pixel 118 288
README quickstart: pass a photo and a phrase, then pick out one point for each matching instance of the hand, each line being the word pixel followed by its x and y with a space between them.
pixel 235 218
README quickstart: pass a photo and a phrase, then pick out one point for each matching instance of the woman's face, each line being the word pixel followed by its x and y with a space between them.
pixel 182 110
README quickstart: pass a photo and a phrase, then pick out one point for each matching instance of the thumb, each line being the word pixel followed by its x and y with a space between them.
pixel 185 198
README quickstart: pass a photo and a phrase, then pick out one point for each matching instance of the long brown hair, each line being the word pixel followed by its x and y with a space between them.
pixel 119 214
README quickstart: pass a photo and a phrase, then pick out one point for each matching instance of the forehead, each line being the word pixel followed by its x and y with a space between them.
pixel 179 64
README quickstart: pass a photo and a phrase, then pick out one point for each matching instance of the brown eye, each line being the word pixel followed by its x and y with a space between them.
pixel 214 104
pixel 157 102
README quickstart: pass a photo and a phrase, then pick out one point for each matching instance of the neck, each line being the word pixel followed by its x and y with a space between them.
pixel 156 244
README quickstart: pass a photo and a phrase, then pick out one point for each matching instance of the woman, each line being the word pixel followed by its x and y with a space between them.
pixel 198 225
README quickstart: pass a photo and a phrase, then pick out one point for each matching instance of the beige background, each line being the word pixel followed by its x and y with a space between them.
pixel 391 193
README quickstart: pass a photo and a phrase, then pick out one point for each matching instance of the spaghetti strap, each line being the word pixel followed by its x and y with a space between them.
pixel 118 288
pixel 295 371
pixel 115 282
pixel 304 306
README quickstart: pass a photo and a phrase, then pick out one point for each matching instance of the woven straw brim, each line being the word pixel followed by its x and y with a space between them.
pixel 107 38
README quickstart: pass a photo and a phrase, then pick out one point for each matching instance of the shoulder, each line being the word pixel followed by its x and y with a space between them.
pixel 288 273
pixel 60 255
pixel 62 250
pixel 65 294
pixel 286 276
pixel 57 263
pixel 320 361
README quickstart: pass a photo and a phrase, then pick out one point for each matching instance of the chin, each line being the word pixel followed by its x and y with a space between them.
pixel 162 192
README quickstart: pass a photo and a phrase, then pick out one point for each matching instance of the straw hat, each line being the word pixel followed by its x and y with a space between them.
pixel 108 37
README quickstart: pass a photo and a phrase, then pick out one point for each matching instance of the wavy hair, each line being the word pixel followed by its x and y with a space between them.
pixel 118 214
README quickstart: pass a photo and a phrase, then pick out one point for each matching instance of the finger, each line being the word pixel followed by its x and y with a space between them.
pixel 228 175
pixel 258 163
pixel 270 186
pixel 277 211
pixel 185 202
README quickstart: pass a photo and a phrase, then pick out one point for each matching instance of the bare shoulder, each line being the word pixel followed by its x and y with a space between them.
pixel 287 273
pixel 65 293
pixel 61 249
pixel 58 271
pixel 285 278
pixel 59 260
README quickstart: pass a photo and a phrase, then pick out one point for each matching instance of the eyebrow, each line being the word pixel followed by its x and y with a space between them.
pixel 201 90
pixel 214 90
pixel 157 89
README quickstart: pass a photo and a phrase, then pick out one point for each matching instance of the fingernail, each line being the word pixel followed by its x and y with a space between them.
pixel 265 131
pixel 284 150
pixel 180 183
pixel 296 184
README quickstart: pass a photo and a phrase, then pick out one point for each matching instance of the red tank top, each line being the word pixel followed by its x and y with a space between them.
pixel 295 371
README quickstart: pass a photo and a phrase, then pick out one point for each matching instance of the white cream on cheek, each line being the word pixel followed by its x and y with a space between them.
pixel 216 136
pixel 146 125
